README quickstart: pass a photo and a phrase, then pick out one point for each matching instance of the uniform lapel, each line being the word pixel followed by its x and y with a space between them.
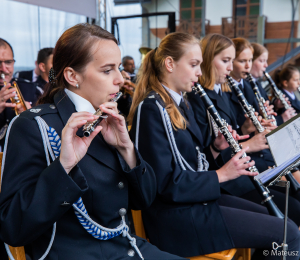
pixel 98 149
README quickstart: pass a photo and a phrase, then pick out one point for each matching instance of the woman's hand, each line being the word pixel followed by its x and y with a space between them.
pixel 248 127
pixel 73 147
pixel 278 104
pixel 220 142
pixel 115 133
pixel 288 114
pixel 236 167
pixel 5 94
pixel 269 108
pixel 257 143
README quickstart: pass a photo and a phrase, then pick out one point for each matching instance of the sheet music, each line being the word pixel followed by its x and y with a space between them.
pixel 285 143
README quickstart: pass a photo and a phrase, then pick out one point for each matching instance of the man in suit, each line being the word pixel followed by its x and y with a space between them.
pixel 28 90
pixel 30 75
pixel 129 67
pixel 45 62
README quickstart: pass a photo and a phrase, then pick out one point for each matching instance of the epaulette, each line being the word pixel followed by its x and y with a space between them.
pixel 153 97
pixel 39 111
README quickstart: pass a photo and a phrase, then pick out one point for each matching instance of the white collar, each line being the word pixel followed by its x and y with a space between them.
pixel 176 97
pixel 238 83
pixel 217 88
pixel 291 94
pixel 34 76
pixel 80 103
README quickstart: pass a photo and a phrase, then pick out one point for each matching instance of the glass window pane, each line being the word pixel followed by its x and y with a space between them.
pixel 254 10
pixel 186 3
pixel 198 3
pixel 240 11
pixel 187 14
pixel 254 1
pixel 198 13
pixel 241 2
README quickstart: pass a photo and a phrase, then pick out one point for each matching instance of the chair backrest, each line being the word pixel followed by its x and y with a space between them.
pixel 138 223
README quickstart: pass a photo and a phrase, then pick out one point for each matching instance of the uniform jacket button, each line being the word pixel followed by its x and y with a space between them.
pixel 121 185
pixel 204 203
pixel 144 170
pixel 52 106
pixel 122 212
pixel 261 155
pixel 131 252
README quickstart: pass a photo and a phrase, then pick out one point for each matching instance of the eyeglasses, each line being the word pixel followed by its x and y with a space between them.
pixel 7 63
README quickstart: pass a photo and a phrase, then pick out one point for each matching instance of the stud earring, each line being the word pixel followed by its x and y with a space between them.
pixel 77 85
pixel 171 70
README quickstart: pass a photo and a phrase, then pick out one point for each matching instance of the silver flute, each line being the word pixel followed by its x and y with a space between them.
pixel 248 109
pixel 89 127
pixel 235 147
pixel 278 93
pixel 261 101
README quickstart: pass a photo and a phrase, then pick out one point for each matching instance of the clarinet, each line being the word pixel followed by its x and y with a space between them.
pixel 260 99
pixel 89 127
pixel 222 126
pixel 248 109
pixel 278 93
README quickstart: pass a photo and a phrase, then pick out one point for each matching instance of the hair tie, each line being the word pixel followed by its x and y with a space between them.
pixel 52 76
pixel 155 49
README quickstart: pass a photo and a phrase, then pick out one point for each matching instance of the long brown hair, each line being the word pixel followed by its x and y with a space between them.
pixel 284 75
pixel 258 50
pixel 150 75
pixel 73 49
pixel 240 45
pixel 212 45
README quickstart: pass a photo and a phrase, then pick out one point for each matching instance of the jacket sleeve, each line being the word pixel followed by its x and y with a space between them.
pixel 173 183
pixel 33 195
pixel 142 182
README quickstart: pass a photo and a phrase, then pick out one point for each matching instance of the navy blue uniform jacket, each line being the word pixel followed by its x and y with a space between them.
pixel 185 218
pixel 35 196
pixel 243 184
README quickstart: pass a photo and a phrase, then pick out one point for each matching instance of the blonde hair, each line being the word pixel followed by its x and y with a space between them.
pixel 212 45
pixel 150 75
pixel 258 50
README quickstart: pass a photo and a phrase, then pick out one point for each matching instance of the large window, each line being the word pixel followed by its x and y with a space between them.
pixel 246 7
pixel 190 9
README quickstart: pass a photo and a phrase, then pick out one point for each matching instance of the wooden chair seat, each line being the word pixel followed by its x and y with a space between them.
pixel 244 254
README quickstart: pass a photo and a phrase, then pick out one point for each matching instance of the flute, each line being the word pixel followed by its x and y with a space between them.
pixel 89 127
pixel 235 147
pixel 248 109
pixel 260 99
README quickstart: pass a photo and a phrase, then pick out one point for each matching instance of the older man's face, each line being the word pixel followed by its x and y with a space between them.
pixel 129 67
pixel 6 64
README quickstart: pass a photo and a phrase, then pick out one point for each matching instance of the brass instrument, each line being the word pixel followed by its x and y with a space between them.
pixel 89 127
pixel 144 51
pixel 18 98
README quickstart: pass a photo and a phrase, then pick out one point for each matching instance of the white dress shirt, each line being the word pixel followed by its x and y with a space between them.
pixel 176 97
pixel 218 89
pixel 291 94
pixel 80 103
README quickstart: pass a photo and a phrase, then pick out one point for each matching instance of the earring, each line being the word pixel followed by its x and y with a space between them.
pixel 77 85
pixel 171 70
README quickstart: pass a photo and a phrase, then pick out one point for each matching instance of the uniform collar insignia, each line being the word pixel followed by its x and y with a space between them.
pixel 35 110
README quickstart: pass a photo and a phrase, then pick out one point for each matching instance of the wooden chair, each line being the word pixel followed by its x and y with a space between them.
pixel 17 252
pixel 241 254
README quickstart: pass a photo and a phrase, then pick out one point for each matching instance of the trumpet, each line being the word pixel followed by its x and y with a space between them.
pixel 89 127
pixel 18 98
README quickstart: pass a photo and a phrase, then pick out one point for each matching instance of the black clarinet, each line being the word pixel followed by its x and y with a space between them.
pixel 248 109
pixel 222 126
pixel 278 93
pixel 259 99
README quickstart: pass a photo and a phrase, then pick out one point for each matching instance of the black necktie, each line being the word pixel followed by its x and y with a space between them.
pixel 241 88
pixel 183 106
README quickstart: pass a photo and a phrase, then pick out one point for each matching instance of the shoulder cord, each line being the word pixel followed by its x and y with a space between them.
pixel 52 145
pixel 202 162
